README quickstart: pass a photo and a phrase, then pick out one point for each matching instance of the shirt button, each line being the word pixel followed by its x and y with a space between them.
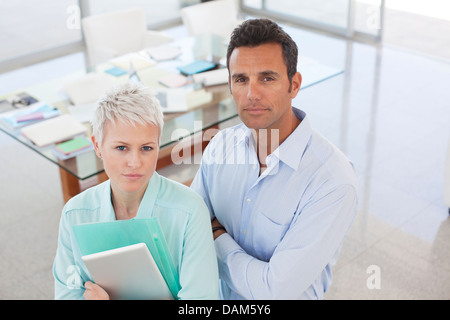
pixel 249 200
pixel 255 166
pixel 244 231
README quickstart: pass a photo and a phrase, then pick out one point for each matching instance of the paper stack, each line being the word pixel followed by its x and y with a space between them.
pixel 54 130
pixel 29 115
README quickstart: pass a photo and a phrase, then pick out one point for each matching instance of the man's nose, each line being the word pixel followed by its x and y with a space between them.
pixel 254 90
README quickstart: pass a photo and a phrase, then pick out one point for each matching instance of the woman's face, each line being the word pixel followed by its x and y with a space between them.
pixel 129 154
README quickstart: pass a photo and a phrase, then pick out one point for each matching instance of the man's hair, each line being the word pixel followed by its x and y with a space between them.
pixel 255 32
pixel 129 102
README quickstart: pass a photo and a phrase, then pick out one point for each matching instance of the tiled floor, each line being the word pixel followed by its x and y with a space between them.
pixel 389 112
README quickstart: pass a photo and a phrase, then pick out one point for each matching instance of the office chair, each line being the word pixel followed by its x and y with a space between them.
pixel 219 17
pixel 112 34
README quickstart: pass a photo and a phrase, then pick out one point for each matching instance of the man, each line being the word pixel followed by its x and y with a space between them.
pixel 281 197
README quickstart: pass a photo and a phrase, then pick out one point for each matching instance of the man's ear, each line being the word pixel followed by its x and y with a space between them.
pixel 296 84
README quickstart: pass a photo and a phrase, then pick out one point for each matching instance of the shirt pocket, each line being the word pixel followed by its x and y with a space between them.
pixel 268 231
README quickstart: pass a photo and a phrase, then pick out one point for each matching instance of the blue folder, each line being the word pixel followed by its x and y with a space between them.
pixel 102 236
pixel 196 67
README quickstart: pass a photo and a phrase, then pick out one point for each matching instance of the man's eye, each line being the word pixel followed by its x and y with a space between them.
pixel 266 79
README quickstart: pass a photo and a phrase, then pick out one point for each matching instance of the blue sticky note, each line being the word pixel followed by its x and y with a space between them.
pixel 116 71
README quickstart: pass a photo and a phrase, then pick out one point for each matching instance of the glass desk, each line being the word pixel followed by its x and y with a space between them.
pixel 214 107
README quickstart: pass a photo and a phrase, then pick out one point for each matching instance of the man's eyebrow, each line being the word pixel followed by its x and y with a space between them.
pixel 262 73
pixel 238 75
pixel 269 73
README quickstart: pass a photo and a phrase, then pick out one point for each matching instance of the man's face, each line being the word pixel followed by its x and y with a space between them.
pixel 260 86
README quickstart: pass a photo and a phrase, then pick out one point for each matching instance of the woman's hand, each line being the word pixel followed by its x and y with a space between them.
pixel 94 292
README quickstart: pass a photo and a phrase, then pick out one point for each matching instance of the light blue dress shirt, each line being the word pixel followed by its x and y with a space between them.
pixel 286 226
pixel 184 220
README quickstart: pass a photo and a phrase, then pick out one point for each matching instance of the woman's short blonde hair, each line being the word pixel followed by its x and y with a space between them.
pixel 130 102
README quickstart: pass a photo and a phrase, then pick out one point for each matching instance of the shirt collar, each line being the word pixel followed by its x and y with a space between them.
pixel 145 207
pixel 291 150
pixel 148 201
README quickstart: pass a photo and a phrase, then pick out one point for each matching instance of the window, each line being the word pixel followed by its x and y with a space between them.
pixel 29 26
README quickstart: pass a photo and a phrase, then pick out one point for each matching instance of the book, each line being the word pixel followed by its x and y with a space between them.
pixel 137 60
pixel 212 78
pixel 73 147
pixel 172 100
pixel 54 130
pixel 28 115
pixel 5 106
pixel 173 80
pixel 89 88
pixel 22 99
pixel 196 67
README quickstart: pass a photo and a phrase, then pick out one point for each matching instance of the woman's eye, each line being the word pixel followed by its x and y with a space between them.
pixel 120 148
pixel 147 148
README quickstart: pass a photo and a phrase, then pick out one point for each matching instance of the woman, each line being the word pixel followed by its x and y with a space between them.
pixel 127 130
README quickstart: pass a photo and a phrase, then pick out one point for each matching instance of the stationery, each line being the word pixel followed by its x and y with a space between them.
pixel 34 113
pixel 102 236
pixel 164 52
pixel 212 78
pixel 173 80
pixel 196 67
pixel 89 88
pixel 116 71
pixel 54 130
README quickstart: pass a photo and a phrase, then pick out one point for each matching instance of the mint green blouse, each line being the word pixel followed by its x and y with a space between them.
pixel 184 220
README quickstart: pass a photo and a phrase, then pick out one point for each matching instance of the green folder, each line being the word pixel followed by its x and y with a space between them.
pixel 102 236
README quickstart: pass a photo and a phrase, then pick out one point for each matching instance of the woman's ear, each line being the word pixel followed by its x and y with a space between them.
pixel 96 147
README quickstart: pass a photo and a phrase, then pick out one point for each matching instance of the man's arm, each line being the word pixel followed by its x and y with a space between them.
pixel 313 239
pixel 217 228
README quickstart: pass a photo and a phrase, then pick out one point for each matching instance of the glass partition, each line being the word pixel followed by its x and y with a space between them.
pixel 29 26
pixel 348 18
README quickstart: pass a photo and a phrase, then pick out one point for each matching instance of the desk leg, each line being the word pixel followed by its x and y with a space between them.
pixel 71 186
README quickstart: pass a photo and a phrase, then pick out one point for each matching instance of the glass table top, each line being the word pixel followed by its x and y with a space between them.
pixel 206 106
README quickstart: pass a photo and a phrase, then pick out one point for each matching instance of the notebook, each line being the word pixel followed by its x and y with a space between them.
pixel 54 130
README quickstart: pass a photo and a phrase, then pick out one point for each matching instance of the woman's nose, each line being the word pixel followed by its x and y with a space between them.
pixel 134 159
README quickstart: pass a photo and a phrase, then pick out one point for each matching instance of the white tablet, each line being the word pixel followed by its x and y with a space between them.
pixel 128 273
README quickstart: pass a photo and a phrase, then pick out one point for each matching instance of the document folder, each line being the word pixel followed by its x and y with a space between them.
pixel 102 236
